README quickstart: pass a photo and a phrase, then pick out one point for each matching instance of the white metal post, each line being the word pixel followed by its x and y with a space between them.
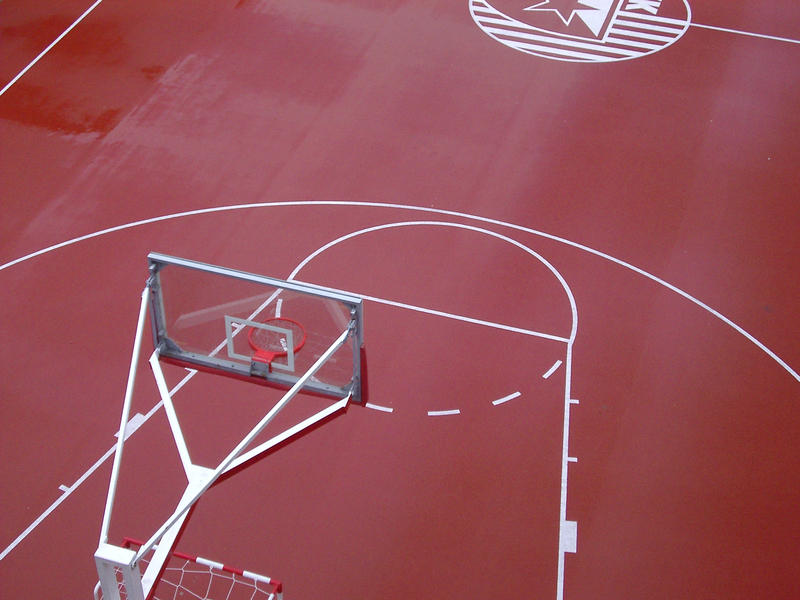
pixel 186 504
pixel 126 409
pixel 109 559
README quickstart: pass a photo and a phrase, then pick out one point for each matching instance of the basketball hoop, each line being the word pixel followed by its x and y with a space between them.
pixel 272 339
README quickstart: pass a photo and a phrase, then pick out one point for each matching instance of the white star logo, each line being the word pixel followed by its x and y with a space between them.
pixel 593 13
pixel 565 9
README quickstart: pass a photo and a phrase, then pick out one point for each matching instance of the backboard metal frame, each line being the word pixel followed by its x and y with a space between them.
pixel 281 376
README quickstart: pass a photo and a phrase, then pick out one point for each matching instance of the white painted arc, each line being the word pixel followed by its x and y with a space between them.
pixel 513 242
pixel 438 211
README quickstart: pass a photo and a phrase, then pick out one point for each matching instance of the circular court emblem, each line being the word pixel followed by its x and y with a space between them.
pixel 583 30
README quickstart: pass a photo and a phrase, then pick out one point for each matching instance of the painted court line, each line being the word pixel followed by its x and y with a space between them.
pixel 567 541
pixel 506 398
pixel 50 47
pixel 443 413
pixel 133 424
pixel 552 369
pixel 569 536
pixel 446 224
pixel 446 315
pixel 408 207
pixel 568 531
pixel 66 494
pixel 747 33
pixel 564 542
pixel 379 407
pixel 191 373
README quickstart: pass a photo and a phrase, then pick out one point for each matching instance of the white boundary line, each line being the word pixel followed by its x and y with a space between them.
pixel 50 47
pixel 747 33
pixel 408 207
pixel 443 413
pixel 567 530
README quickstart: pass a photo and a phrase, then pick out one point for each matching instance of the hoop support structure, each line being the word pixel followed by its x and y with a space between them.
pixel 111 559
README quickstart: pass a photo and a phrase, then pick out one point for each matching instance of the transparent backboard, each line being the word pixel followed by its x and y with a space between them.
pixel 254 327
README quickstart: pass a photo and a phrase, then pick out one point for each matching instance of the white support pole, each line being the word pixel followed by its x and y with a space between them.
pixel 172 417
pixel 108 560
pixel 197 476
pixel 126 409
pixel 184 506
pixel 294 430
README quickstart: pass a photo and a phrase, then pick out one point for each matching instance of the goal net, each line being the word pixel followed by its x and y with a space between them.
pixel 192 577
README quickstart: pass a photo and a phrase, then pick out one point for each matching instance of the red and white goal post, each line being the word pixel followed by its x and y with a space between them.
pixel 184 575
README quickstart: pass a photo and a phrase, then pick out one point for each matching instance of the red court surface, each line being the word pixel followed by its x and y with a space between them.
pixel 579 280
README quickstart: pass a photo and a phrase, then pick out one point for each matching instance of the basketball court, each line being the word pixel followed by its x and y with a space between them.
pixel 470 298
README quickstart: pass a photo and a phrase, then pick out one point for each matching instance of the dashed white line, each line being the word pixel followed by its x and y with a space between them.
pixel 506 398
pixel 552 369
pixel 443 413
pixel 379 407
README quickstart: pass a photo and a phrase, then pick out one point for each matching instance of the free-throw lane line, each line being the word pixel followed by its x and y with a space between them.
pixel 446 315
